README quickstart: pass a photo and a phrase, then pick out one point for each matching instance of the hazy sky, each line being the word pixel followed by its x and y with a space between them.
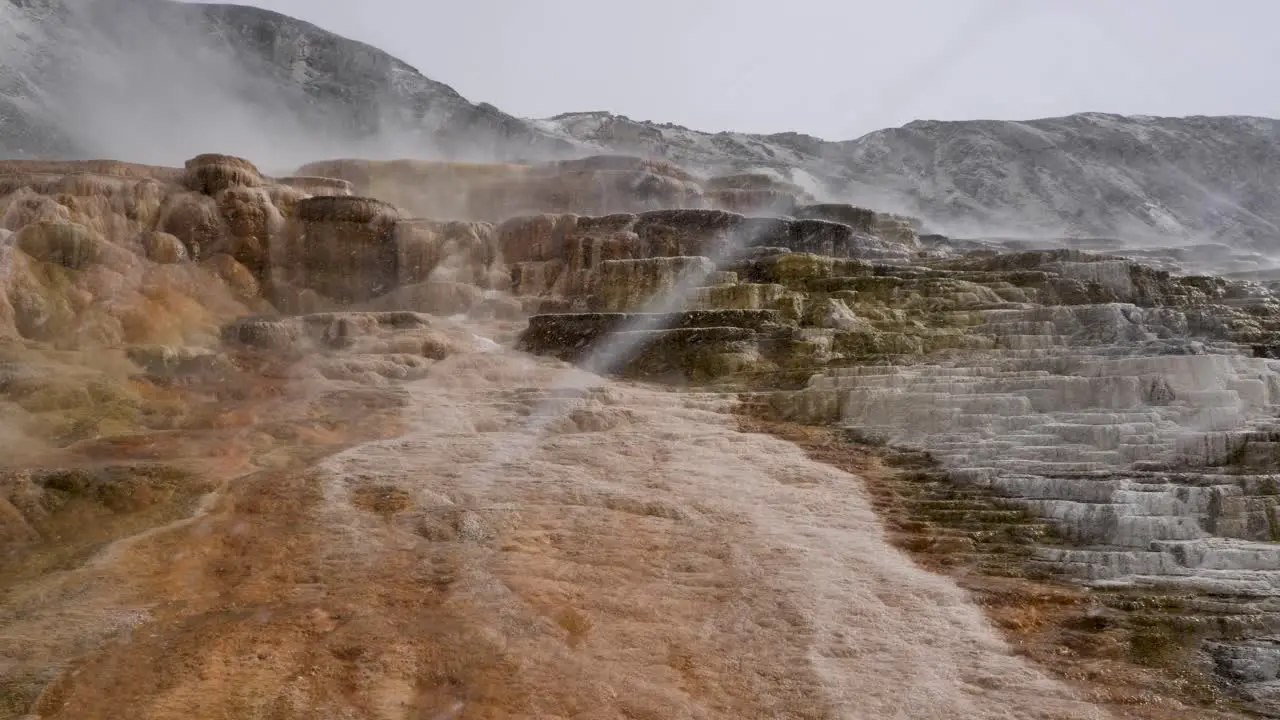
pixel 832 68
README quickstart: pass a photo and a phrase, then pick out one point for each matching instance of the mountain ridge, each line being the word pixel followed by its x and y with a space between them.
pixel 151 79
pixel 897 169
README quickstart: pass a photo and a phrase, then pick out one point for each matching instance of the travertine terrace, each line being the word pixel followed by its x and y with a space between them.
pixel 313 446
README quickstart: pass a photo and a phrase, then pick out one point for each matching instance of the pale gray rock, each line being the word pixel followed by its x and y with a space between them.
pixel 1153 455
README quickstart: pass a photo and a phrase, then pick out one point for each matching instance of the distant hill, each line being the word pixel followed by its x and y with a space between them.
pixel 159 81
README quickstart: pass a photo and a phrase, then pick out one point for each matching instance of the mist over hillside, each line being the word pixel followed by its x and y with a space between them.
pixel 327 392
pixel 158 81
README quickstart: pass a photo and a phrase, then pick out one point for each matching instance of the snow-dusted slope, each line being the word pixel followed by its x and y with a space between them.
pixel 159 81
pixel 801 159
pixel 1195 179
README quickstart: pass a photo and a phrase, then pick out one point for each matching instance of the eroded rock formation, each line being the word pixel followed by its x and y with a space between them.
pixel 1122 417
pixel 1134 411
pixel 594 185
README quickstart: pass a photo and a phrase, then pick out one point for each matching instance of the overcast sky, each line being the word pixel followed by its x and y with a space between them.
pixel 832 68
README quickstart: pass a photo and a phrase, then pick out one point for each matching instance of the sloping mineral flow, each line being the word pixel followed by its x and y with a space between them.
pixel 271 449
